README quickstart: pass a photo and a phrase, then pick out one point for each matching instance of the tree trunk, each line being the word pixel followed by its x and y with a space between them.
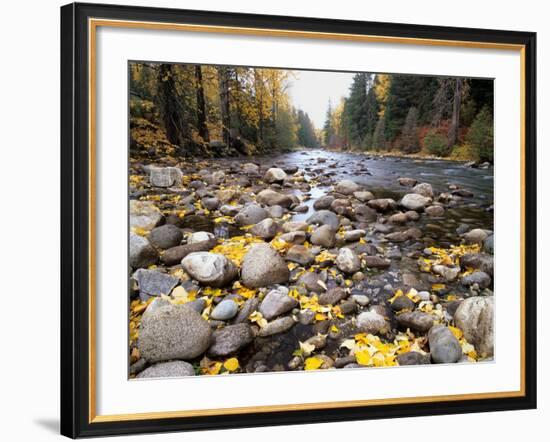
pixel 168 105
pixel 455 119
pixel 201 112
pixel 223 82
pixel 259 98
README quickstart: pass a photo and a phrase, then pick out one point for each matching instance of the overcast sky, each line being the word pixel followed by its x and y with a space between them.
pixel 311 90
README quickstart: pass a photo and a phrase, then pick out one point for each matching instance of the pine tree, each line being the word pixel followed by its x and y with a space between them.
pixel 409 135
pixel 306 131
pixel 379 137
pixel 328 129
pixel 480 135
pixel 356 108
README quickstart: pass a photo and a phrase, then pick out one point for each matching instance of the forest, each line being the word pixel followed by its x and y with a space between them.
pixel 203 110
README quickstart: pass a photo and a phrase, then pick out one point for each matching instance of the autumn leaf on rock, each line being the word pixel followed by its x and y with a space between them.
pixel 231 364
pixel 258 318
pixel 313 363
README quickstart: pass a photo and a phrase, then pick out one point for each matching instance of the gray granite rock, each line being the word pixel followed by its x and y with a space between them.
pixel 263 266
pixel 210 269
pixel 173 332
pixel 172 369
pixel 141 252
pixel 230 339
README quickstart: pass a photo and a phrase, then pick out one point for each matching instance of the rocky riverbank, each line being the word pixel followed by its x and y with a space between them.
pixel 312 260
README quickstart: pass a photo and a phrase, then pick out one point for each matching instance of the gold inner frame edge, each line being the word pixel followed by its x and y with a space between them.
pixel 93 24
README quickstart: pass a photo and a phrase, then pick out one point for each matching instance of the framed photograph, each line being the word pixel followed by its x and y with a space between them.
pixel 274 220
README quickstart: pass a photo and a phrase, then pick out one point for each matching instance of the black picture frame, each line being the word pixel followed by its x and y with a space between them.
pixel 75 219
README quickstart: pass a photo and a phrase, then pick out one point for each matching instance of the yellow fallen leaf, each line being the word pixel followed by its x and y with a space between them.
pixel 456 331
pixel 396 295
pixel 363 357
pixel 313 363
pixel 213 368
pixel 258 318
pixel 413 295
pixel 231 364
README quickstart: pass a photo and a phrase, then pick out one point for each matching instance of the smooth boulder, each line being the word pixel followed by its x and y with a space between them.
pixel 269 197
pixel 166 236
pixel 370 322
pixel 324 235
pixel 274 175
pixel 415 201
pixel 173 332
pixel 210 269
pixel 347 187
pixel 171 369
pixel 475 317
pixel 444 347
pixel 263 266
pixel 277 302
pixel 324 217
pixel 144 215
pixel 251 214
pixel 424 189
pixel 230 339
pixel 225 310
pixel 265 229
pixel 348 261
pixel 141 252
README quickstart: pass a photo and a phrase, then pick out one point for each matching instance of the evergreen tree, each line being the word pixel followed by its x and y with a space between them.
pixel 306 131
pixel 408 91
pixel 328 128
pixel 357 109
pixel 409 135
pixel 379 137
pixel 480 135
pixel 371 117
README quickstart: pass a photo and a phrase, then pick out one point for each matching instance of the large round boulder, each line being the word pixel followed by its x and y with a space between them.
pixel 263 266
pixel 141 253
pixel 166 236
pixel 171 369
pixel 277 302
pixel 347 261
pixel 269 197
pixel 346 187
pixel 265 229
pixel 144 215
pixel 323 236
pixel 475 317
pixel 230 339
pixel 172 332
pixel 324 217
pixel 251 214
pixel 210 269
pixel 415 201
pixel 371 322
pixel 476 236
pixel 274 175
pixel 444 347
pixel 424 189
